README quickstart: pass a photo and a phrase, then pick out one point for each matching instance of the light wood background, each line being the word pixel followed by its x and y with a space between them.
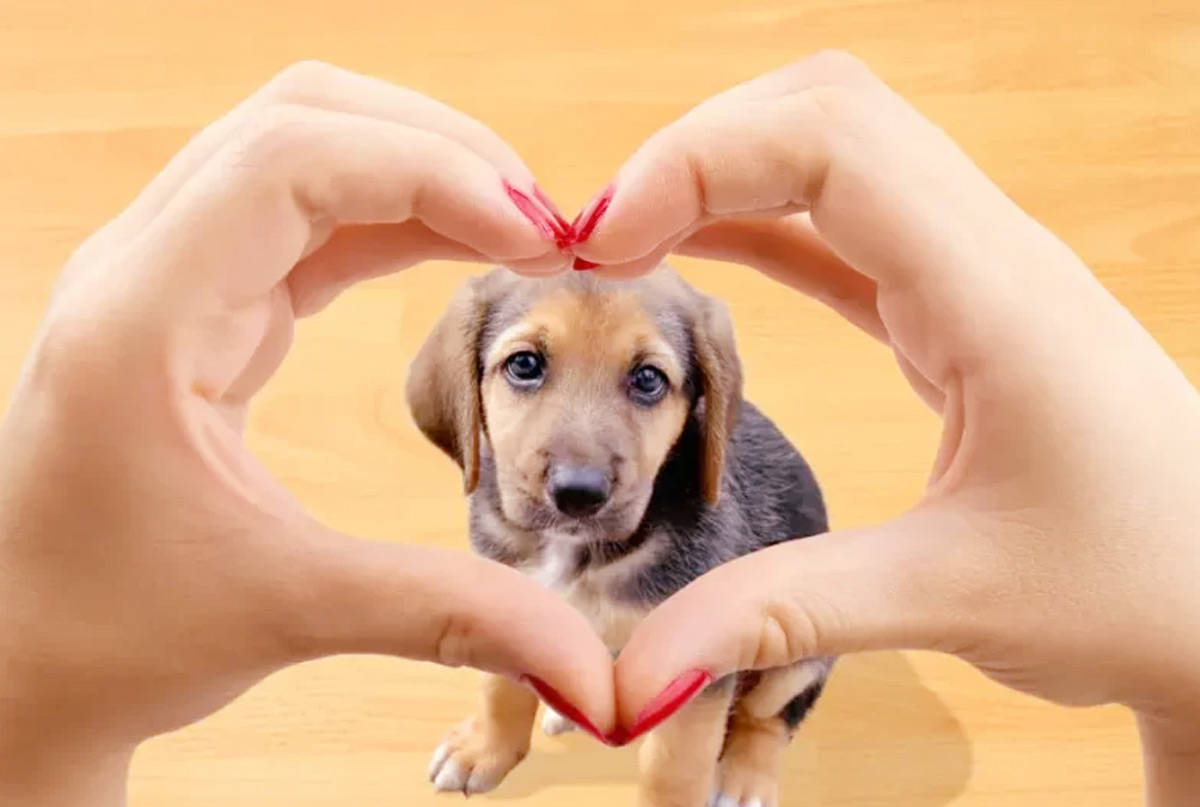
pixel 1087 113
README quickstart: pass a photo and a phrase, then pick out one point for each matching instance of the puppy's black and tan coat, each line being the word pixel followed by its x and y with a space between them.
pixel 607 453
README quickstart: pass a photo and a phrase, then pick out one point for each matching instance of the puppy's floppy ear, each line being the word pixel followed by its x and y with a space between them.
pixel 720 372
pixel 443 381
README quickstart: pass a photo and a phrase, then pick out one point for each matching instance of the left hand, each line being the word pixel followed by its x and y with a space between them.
pixel 150 568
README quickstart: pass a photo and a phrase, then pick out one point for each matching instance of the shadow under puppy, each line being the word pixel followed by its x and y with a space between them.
pixel 607 453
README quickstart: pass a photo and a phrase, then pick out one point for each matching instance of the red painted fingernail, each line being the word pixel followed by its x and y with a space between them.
pixel 531 211
pixel 619 738
pixel 581 265
pixel 585 223
pixel 668 702
pixel 562 227
pixel 564 707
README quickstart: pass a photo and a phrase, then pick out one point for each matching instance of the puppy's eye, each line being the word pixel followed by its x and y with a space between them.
pixel 648 384
pixel 525 368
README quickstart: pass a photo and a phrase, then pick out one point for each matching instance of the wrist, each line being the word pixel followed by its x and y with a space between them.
pixel 49 756
pixel 66 771
pixel 1171 758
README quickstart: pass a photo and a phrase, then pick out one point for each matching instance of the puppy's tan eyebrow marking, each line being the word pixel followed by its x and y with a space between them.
pixel 521 335
pixel 660 354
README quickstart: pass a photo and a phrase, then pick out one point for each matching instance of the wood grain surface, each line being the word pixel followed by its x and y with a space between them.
pixel 1087 113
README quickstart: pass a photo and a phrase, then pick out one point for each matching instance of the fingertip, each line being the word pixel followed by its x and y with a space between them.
pixel 603 730
pixel 658 659
pixel 470 202
pixel 550 647
pixel 591 216
pixel 538 209
pixel 563 228
pixel 677 694
pixel 546 265
pixel 622 271
pixel 652 200
pixel 576 680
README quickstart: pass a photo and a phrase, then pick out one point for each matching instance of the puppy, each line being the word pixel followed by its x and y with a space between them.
pixel 607 453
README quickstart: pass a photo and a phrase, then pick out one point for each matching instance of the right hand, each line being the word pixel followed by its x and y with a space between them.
pixel 1055 547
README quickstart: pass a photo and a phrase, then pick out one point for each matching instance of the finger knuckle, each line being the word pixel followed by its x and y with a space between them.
pixel 786 634
pixel 839 105
pixel 60 351
pixel 277 132
pixel 66 359
pixel 299 80
pixel 452 646
pixel 836 66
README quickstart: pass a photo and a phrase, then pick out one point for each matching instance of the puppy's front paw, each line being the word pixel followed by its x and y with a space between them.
pixel 472 760
pixel 743 783
pixel 554 724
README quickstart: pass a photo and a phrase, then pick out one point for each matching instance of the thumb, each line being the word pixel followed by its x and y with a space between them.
pixel 890 586
pixel 452 609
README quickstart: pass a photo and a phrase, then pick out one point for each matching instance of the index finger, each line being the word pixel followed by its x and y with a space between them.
pixel 891 194
pixel 271 194
pixel 323 87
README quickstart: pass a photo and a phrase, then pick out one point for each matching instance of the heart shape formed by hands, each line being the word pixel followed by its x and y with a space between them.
pixel 171 318
pixel 677 695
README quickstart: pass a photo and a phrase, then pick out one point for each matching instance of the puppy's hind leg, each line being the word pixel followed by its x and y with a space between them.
pixel 760 728
pixel 477 755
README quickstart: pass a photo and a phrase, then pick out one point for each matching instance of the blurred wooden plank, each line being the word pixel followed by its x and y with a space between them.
pixel 1086 116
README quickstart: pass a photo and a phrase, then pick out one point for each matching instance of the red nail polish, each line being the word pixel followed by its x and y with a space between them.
pixel 581 265
pixel 585 223
pixel 668 702
pixel 562 233
pixel 562 228
pixel 618 739
pixel 564 707
pixel 531 211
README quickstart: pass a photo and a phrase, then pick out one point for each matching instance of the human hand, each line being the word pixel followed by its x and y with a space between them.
pixel 150 568
pixel 1055 547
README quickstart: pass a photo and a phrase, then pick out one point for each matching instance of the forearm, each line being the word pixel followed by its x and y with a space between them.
pixel 1171 754
pixel 59 775
pixel 48 757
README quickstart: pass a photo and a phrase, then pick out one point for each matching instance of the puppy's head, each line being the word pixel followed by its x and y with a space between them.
pixel 578 389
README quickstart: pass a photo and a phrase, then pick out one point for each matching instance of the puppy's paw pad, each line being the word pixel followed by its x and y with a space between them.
pixel 554 724
pixel 471 762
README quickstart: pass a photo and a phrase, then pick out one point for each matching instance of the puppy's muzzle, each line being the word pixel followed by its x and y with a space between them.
pixel 578 491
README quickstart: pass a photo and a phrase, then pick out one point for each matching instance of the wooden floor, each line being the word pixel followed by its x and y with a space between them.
pixel 1087 113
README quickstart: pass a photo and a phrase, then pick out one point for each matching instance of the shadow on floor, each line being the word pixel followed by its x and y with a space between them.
pixel 878 736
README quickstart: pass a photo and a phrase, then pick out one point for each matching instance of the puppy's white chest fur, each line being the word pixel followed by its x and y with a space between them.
pixel 557 568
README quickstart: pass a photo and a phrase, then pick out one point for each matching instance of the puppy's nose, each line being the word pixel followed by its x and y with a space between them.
pixel 578 491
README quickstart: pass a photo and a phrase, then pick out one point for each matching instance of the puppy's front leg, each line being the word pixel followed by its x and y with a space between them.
pixel 678 760
pixel 477 755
